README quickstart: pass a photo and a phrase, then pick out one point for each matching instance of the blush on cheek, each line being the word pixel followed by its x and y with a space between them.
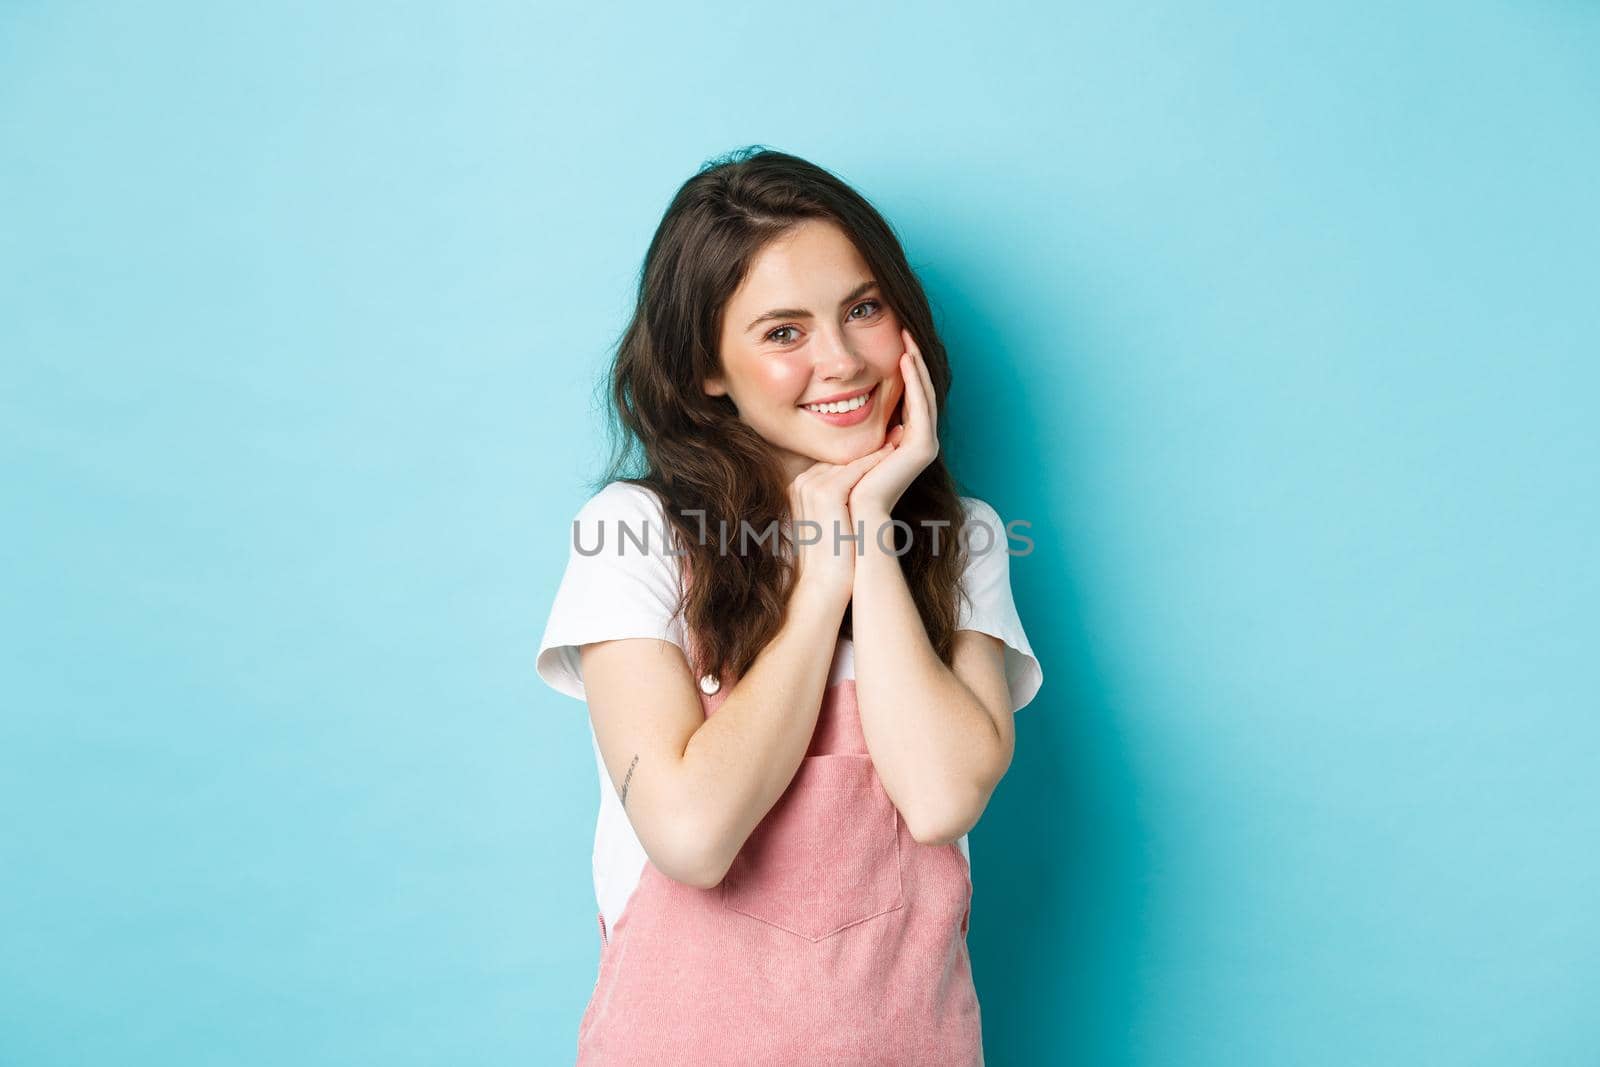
pixel 783 382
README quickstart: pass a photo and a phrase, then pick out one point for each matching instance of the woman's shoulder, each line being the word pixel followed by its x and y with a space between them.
pixel 624 523
pixel 622 500
pixel 978 512
pixel 985 537
pixel 978 509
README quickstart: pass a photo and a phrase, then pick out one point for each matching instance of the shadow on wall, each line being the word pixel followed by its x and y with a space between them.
pixel 1059 868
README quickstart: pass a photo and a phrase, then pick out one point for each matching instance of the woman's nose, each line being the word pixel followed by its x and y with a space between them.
pixel 838 359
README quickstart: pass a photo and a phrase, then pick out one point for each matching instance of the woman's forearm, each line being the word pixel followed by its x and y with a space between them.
pixel 742 758
pixel 935 746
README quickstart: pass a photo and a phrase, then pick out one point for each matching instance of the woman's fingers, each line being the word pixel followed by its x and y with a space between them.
pixel 916 394
pixel 928 390
pixel 861 466
pixel 920 400
pixel 844 476
pixel 919 367
pixel 823 485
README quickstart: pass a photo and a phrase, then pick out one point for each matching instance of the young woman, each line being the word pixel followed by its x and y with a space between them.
pixel 797 643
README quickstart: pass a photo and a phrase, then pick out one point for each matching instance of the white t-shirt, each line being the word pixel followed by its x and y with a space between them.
pixel 629 587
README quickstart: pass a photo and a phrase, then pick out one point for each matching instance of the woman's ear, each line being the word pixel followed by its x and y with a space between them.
pixel 714 386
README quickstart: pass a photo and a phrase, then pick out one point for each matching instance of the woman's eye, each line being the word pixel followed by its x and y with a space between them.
pixel 772 335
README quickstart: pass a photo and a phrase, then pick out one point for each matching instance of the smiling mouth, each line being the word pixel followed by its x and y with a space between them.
pixel 843 407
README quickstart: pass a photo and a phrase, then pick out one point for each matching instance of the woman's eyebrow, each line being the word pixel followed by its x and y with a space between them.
pixel 802 313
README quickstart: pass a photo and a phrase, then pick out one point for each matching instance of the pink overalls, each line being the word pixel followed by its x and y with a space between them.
pixel 834 939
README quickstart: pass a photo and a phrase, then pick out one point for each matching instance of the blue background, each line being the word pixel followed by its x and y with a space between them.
pixel 1279 325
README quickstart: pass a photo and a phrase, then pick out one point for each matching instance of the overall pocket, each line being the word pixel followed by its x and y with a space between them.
pixel 826 857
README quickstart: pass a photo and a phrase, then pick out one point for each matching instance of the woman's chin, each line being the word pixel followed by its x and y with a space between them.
pixel 854 450
pixel 846 449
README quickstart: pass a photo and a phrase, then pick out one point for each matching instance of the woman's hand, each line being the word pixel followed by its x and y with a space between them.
pixel 914 440
pixel 820 494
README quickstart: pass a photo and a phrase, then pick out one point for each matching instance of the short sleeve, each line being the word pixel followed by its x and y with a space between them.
pixel 988 606
pixel 619 582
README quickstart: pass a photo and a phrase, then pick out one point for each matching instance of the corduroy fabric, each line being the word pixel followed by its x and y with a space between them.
pixel 834 939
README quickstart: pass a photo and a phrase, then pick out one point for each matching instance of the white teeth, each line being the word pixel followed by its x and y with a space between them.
pixel 840 407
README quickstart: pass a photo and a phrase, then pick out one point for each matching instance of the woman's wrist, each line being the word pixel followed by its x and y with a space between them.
pixel 877 535
pixel 815 603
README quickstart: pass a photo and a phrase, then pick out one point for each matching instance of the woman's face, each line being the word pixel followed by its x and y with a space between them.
pixel 808 325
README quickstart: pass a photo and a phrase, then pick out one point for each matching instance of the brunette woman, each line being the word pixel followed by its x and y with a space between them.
pixel 797 643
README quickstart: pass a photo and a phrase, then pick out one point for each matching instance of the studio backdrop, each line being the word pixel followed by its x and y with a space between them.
pixel 1277 325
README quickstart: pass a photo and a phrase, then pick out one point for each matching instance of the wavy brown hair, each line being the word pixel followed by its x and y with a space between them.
pixel 696 454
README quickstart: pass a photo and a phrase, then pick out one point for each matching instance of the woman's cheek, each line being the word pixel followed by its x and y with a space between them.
pixel 784 382
pixel 887 347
